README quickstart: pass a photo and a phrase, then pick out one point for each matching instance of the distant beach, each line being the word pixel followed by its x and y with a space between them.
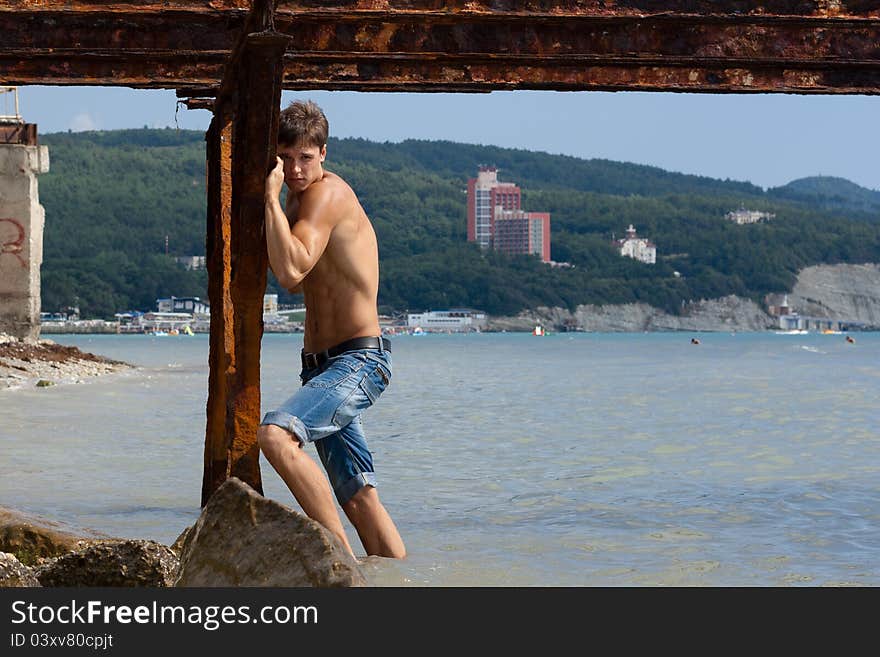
pixel 45 363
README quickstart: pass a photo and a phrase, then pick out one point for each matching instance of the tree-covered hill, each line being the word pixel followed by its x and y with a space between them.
pixel 112 198
pixel 831 193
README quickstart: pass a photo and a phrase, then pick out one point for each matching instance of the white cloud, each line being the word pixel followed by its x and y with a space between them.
pixel 83 121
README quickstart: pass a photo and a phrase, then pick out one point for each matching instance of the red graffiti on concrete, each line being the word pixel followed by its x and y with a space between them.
pixel 12 239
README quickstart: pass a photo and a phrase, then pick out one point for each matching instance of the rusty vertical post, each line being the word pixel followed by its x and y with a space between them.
pixel 221 355
pixel 242 142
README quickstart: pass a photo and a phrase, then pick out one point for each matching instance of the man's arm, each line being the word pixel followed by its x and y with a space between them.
pixel 287 212
pixel 294 251
pixel 294 290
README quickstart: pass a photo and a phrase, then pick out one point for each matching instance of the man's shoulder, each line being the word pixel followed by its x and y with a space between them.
pixel 329 185
pixel 334 181
pixel 330 199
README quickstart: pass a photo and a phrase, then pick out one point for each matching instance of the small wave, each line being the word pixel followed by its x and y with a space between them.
pixel 148 510
pixel 812 350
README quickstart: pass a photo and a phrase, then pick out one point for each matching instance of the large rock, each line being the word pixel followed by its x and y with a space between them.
pixel 32 537
pixel 13 573
pixel 132 563
pixel 243 539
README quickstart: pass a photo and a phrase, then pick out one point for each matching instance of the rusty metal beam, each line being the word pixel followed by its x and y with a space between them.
pixel 819 41
pixel 808 8
pixel 221 353
pixel 389 75
pixel 794 46
pixel 817 8
pixel 199 103
pixel 156 71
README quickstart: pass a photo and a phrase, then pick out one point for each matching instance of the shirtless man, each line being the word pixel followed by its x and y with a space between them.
pixel 323 245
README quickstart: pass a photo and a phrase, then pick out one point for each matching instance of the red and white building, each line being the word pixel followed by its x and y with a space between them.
pixel 518 231
pixel 496 218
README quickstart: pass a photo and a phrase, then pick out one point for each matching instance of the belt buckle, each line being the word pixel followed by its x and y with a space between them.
pixel 310 361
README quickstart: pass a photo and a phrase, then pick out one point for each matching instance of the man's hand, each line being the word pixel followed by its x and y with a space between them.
pixel 275 180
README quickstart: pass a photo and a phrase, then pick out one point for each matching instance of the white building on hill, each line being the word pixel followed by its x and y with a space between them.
pixel 639 248
pixel 743 216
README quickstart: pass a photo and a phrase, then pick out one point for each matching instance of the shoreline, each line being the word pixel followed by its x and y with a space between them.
pixel 45 363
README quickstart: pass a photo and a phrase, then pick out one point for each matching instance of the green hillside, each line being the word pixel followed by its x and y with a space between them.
pixel 831 193
pixel 111 199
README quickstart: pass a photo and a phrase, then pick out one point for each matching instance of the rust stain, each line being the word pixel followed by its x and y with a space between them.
pixel 19 133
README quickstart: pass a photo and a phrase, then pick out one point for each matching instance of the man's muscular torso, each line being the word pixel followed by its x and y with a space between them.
pixel 341 289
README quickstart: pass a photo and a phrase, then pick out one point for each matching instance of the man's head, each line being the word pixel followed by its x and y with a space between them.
pixel 302 143
pixel 303 123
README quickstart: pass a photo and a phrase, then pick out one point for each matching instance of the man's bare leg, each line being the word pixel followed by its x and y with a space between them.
pixel 303 477
pixel 374 526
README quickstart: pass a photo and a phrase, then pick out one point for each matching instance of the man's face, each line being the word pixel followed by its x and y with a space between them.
pixel 302 164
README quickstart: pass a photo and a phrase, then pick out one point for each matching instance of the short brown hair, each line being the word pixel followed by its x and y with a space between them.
pixel 303 122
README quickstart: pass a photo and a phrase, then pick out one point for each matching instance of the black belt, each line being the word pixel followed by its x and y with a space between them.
pixel 313 360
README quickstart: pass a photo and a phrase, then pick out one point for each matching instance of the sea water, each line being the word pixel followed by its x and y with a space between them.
pixel 571 459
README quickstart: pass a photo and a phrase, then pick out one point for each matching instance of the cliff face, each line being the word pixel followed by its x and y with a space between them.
pixel 850 292
pixel 726 314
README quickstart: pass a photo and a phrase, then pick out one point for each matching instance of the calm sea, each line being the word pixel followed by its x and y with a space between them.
pixel 749 459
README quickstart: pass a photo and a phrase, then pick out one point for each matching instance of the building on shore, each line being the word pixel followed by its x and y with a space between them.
pixel 270 304
pixel 175 315
pixel 454 320
pixel 777 307
pixel 190 305
pixel 154 322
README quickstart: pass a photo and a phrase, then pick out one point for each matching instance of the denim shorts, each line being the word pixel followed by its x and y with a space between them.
pixel 327 409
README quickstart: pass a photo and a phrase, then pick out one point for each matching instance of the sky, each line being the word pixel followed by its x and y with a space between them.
pixel 766 139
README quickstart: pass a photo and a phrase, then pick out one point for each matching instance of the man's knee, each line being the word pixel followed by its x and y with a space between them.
pixel 364 501
pixel 272 439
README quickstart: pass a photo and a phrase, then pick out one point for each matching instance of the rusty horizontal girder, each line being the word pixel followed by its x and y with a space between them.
pixel 816 39
pixel 794 46
pixel 153 71
pixel 810 8
pixel 416 76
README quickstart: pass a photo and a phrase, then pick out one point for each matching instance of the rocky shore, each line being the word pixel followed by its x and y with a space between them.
pixel 726 314
pixel 45 363
pixel 849 293
pixel 241 539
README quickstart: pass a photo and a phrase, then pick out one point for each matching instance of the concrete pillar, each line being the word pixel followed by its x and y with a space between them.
pixel 21 231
